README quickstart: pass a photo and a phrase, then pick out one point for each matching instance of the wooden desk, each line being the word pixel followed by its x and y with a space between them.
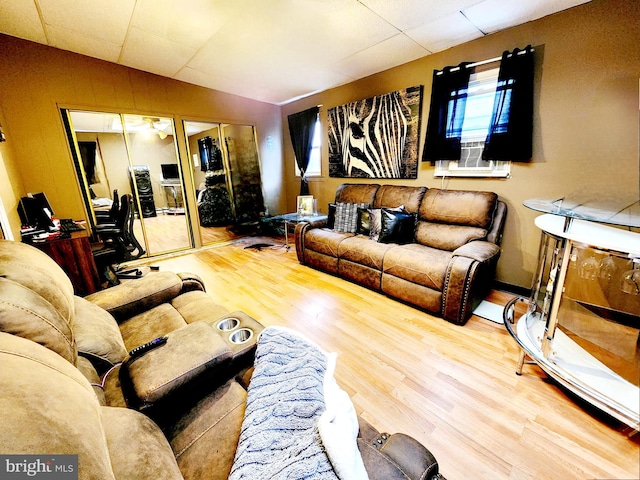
pixel 74 256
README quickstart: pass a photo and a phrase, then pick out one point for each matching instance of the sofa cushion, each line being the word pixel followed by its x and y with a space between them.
pixel 397 227
pixel 37 271
pixel 450 218
pixel 447 237
pixel 347 216
pixel 356 193
pixel 23 312
pixel 361 250
pixel 97 334
pixel 48 407
pixel 396 195
pixel 149 455
pixel 205 439
pixel 197 305
pixel 418 264
pixel 459 207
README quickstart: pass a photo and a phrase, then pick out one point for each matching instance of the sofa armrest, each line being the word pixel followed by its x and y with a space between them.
pixel 396 457
pixel 468 279
pixel 301 229
pixel 478 250
pixel 136 296
pixel 190 282
pixel 191 359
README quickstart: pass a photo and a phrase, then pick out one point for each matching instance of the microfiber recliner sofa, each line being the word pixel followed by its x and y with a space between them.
pixel 444 262
pixel 69 385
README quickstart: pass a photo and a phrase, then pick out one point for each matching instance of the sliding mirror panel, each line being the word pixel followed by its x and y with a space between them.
pixel 157 183
pixel 244 172
pixel 211 180
pixel 120 155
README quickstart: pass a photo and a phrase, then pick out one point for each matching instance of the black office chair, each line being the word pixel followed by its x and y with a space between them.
pixel 119 236
pixel 109 216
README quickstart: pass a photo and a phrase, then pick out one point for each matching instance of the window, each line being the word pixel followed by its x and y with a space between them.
pixel 474 129
pixel 313 169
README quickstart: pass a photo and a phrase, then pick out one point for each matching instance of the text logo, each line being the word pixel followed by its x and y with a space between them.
pixel 49 467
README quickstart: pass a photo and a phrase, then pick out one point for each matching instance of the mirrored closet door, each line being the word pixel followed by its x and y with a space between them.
pixel 227 180
pixel 119 155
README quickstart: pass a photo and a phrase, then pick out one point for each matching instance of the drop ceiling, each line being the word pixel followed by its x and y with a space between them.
pixel 269 50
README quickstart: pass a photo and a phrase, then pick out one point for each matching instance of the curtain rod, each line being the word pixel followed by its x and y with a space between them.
pixel 483 62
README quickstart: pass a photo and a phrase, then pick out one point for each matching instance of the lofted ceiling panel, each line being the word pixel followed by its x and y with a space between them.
pixel 269 50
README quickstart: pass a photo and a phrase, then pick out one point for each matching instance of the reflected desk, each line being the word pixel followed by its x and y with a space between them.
pixel 583 316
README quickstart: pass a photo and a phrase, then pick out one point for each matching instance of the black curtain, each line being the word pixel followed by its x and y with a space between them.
pixel 88 155
pixel 301 127
pixel 446 113
pixel 511 129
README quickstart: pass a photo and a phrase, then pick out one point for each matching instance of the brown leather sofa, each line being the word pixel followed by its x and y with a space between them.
pixel 68 384
pixel 446 267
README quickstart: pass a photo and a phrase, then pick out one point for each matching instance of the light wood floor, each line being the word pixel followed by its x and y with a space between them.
pixel 452 388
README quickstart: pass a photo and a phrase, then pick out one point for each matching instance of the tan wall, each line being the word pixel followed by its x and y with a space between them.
pixel 35 81
pixel 585 119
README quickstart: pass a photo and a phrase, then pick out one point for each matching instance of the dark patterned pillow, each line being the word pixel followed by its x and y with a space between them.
pixel 347 216
pixel 331 216
pixel 397 227
pixel 362 225
pixel 375 221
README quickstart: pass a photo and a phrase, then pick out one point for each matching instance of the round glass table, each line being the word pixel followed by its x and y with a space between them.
pixel 582 320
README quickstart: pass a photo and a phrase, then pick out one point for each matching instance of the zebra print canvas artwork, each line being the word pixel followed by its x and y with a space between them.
pixel 377 137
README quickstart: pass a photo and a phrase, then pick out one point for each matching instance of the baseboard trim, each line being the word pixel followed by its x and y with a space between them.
pixel 515 289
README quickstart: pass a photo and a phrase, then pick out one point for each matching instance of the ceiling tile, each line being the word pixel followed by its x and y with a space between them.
pixel 493 15
pixel 104 20
pixel 188 22
pixel 395 51
pixel 444 32
pixel 74 42
pixel 21 19
pixel 154 54
pixel 406 14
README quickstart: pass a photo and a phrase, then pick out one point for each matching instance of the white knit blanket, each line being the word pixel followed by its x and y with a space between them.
pixel 298 423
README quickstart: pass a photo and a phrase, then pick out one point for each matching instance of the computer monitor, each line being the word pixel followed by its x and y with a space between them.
pixel 170 171
pixel 35 211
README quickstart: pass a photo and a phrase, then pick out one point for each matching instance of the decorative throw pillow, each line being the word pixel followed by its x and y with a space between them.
pixel 331 216
pixel 347 216
pixel 375 221
pixel 397 227
pixel 363 226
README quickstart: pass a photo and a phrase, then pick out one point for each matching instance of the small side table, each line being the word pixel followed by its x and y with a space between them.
pixel 294 219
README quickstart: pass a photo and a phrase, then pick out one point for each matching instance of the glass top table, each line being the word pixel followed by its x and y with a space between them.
pixel 622 210
pixel 583 316
pixel 293 219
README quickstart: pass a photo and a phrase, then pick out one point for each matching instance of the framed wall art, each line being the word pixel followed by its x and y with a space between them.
pixel 377 137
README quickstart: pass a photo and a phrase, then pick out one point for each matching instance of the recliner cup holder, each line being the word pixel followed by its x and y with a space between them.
pixel 228 323
pixel 240 336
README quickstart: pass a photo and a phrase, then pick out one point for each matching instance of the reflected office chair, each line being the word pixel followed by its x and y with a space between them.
pixel 109 216
pixel 119 237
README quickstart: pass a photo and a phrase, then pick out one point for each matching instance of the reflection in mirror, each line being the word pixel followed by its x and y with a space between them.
pixel 216 215
pixel 156 183
pixel 143 165
pixel 246 182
